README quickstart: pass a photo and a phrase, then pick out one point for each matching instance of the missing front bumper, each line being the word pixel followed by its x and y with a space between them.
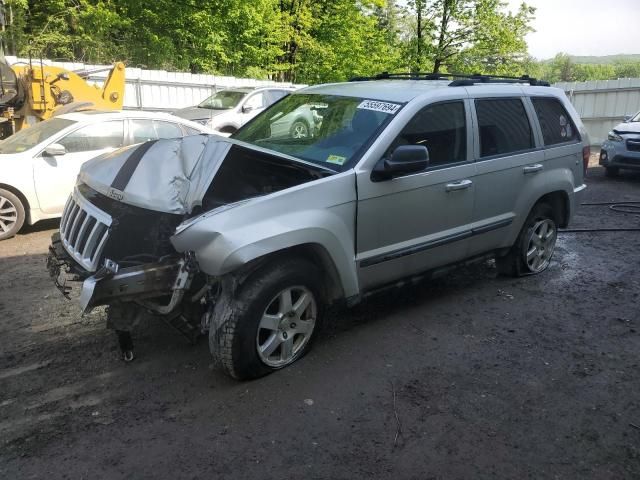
pixel 147 284
pixel 140 283
pixel 62 268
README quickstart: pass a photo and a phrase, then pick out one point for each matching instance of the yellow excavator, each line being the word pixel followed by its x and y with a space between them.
pixel 30 93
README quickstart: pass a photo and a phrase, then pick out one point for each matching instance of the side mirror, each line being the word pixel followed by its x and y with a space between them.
pixel 54 150
pixel 404 160
pixel 627 118
pixel 247 109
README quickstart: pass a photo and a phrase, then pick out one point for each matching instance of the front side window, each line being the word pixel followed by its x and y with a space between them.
pixel 503 126
pixel 32 136
pixel 442 129
pixel 223 100
pixel 256 101
pixel 555 122
pixel 97 136
pixel 329 130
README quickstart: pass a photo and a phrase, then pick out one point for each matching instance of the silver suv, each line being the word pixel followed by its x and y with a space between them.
pixel 227 110
pixel 252 237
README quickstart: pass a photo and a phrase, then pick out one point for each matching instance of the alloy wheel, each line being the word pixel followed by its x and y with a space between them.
pixel 540 246
pixel 286 326
pixel 299 130
pixel 8 215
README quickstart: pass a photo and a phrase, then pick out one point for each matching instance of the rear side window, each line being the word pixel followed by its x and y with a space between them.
pixel 167 129
pixel 142 131
pixel 555 122
pixel 503 126
pixel 191 131
pixel 96 136
pixel 442 129
pixel 277 95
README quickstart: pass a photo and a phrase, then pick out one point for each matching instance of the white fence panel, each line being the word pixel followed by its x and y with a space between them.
pixel 159 89
pixel 603 104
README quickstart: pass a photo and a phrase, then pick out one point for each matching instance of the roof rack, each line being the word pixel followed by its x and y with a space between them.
pixel 459 80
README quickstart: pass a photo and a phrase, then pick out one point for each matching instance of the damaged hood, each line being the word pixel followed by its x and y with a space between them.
pixel 627 127
pixel 163 175
pixel 197 113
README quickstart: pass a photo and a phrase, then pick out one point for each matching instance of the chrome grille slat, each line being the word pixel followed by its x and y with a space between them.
pixel 65 214
pixel 103 240
pixel 69 216
pixel 92 242
pixel 84 230
pixel 75 228
pixel 80 239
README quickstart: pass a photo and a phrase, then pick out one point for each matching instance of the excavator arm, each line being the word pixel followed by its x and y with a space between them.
pixel 33 93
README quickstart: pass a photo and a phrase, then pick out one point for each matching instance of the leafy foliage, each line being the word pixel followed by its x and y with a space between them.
pixel 562 68
pixel 304 41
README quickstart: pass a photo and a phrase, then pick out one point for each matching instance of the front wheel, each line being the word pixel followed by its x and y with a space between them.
pixel 271 320
pixel 11 214
pixel 300 129
pixel 534 247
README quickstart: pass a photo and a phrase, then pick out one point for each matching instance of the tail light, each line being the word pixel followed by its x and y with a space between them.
pixel 586 153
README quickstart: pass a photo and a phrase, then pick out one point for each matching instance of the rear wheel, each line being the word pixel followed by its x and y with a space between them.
pixel 271 321
pixel 534 247
pixel 611 171
pixel 11 214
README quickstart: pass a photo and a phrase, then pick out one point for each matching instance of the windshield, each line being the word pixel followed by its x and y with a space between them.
pixel 32 136
pixel 324 129
pixel 223 100
pixel 636 118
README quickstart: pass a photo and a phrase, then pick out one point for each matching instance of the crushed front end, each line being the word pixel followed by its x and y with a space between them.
pixel 118 226
pixel 123 258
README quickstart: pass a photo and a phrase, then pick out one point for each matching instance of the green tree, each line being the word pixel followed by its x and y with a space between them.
pixel 469 36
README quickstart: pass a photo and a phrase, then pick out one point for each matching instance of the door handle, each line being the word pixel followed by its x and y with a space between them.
pixel 461 185
pixel 536 167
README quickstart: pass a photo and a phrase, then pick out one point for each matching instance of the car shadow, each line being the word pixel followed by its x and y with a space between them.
pixel 50 224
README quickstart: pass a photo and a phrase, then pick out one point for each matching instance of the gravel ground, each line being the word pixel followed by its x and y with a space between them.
pixel 466 376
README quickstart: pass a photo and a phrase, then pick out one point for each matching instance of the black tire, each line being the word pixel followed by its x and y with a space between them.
pixel 11 214
pixel 611 171
pixel 300 125
pixel 514 263
pixel 234 343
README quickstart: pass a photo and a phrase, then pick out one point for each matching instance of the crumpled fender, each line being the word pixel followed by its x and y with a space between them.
pixel 320 213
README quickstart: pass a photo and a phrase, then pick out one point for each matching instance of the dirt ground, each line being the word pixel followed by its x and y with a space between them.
pixel 467 376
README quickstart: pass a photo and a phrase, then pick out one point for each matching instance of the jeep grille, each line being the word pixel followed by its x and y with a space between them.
pixel 84 230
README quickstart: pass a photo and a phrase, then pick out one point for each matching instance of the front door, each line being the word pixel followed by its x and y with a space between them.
pixel 252 106
pixel 55 176
pixel 421 221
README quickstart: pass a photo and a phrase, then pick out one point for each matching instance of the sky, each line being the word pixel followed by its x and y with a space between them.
pixel 583 27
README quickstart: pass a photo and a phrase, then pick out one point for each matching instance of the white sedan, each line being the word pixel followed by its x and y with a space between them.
pixel 39 165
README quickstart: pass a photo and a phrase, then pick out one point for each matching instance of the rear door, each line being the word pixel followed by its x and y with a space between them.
pixel 507 156
pixel 562 142
pixel 55 176
pixel 413 223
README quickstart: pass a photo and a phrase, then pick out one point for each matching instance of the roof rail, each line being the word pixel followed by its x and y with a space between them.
pixel 458 80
